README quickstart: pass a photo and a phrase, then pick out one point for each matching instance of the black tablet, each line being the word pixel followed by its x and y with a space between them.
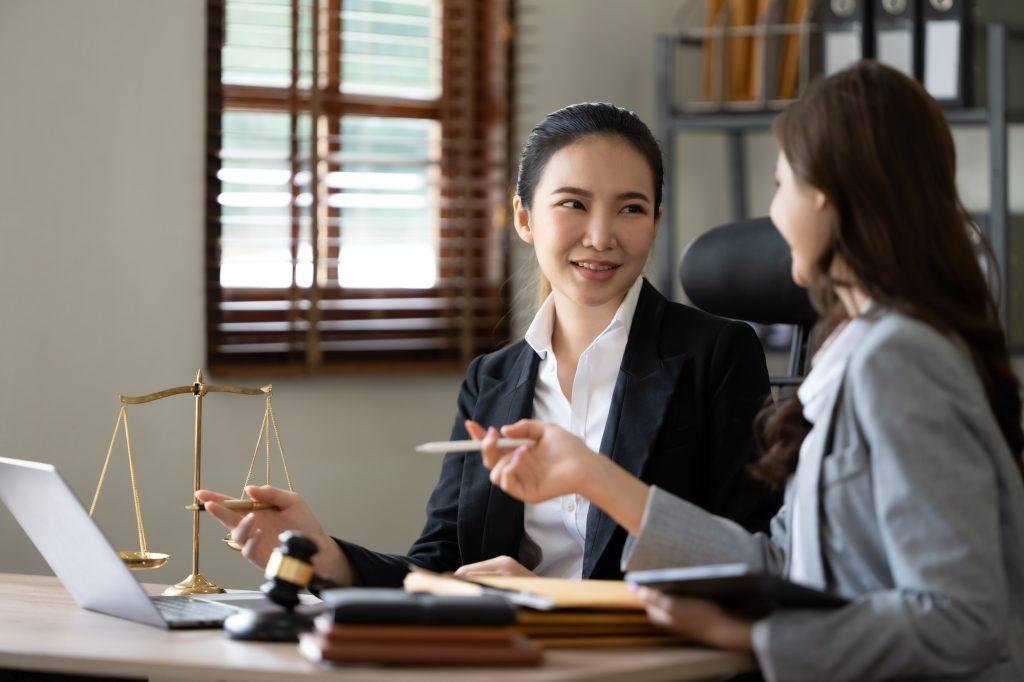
pixel 735 586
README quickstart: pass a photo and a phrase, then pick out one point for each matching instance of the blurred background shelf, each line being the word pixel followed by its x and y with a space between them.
pixel 735 123
pixel 728 121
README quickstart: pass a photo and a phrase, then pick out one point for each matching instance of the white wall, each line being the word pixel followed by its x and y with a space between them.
pixel 101 192
pixel 101 196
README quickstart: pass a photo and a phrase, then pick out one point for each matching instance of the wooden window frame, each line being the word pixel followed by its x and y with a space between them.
pixel 473 110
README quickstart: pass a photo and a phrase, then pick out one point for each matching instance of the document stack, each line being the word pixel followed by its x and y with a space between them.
pixel 391 626
pixel 751 54
pixel 557 613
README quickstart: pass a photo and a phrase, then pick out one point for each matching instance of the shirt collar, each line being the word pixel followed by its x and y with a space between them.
pixel 538 335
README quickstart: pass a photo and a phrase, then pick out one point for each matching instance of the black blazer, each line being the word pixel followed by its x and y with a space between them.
pixel 681 418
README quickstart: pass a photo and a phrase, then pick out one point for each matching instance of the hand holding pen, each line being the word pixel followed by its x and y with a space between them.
pixel 278 510
pixel 558 463
pixel 561 464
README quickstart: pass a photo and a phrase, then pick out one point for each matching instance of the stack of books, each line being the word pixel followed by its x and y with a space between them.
pixel 397 627
pixel 590 628
pixel 556 613
pixel 752 49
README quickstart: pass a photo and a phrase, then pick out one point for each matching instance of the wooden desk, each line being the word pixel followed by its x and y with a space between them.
pixel 42 629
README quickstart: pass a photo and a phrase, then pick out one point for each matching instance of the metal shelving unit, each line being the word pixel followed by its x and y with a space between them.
pixel 995 116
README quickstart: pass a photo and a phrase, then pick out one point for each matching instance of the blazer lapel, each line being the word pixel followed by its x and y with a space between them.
pixel 513 400
pixel 643 391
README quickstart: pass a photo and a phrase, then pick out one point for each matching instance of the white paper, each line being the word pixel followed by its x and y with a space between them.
pixel 942 59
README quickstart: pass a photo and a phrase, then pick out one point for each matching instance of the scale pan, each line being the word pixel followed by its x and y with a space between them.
pixel 137 560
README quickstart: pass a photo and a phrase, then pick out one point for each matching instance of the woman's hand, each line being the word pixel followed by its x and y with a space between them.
pixel 697 619
pixel 561 464
pixel 499 565
pixel 256 532
pixel 557 465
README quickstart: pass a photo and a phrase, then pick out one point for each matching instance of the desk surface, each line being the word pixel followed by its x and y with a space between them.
pixel 42 629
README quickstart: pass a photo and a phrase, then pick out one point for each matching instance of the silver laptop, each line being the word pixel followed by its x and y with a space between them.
pixel 82 558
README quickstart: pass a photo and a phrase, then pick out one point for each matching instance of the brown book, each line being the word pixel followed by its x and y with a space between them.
pixel 571 617
pixel 556 593
pixel 578 623
pixel 789 69
pixel 587 630
pixel 759 50
pixel 319 648
pixel 739 50
pixel 461 635
pixel 569 594
pixel 610 641
pixel 712 49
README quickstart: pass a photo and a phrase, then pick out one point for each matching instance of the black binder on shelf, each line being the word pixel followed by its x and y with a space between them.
pixel 897 36
pixel 981 14
pixel 846 33
pixel 945 34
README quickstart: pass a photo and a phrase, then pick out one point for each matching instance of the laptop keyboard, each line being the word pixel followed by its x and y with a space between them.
pixel 182 611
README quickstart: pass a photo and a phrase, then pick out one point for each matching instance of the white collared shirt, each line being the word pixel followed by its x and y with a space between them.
pixel 559 526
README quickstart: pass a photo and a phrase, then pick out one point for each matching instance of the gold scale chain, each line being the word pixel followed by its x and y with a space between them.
pixel 122 417
pixel 264 433
pixel 277 437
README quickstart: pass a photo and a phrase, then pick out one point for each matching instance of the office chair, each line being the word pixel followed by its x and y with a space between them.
pixel 742 271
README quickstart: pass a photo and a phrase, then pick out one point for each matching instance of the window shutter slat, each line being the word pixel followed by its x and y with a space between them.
pixel 357 182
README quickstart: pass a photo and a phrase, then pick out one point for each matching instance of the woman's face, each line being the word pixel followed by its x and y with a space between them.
pixel 803 216
pixel 592 221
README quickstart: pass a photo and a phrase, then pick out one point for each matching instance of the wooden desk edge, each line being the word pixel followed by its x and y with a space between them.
pixel 641 665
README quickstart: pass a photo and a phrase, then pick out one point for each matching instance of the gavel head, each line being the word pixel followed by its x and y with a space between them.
pixel 289 569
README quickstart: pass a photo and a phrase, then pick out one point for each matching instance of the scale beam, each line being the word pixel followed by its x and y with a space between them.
pixel 195 583
pixel 191 390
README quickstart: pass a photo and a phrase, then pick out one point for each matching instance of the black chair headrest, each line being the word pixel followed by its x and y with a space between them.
pixel 742 271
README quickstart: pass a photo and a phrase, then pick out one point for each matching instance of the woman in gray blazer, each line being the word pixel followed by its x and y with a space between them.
pixel 901 452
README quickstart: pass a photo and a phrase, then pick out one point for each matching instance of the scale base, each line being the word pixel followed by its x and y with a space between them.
pixel 194 584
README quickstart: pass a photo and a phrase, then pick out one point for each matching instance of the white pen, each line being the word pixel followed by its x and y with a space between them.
pixel 471 445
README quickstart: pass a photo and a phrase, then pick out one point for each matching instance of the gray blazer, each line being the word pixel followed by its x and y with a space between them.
pixel 921 524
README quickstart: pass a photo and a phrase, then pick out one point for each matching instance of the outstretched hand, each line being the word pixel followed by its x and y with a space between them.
pixel 557 465
pixel 256 531
pixel 560 464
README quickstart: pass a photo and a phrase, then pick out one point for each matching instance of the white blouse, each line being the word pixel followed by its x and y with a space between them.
pixel 558 527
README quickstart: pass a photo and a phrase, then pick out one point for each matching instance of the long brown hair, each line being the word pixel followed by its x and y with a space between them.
pixel 879 148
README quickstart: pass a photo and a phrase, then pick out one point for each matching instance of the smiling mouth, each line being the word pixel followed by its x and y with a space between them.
pixel 597 266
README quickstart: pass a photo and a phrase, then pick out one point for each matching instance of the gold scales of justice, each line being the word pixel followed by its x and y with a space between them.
pixel 143 558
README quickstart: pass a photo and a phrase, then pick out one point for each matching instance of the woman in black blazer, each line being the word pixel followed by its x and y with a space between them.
pixel 688 384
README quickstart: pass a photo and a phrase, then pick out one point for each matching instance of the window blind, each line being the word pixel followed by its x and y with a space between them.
pixel 358 178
